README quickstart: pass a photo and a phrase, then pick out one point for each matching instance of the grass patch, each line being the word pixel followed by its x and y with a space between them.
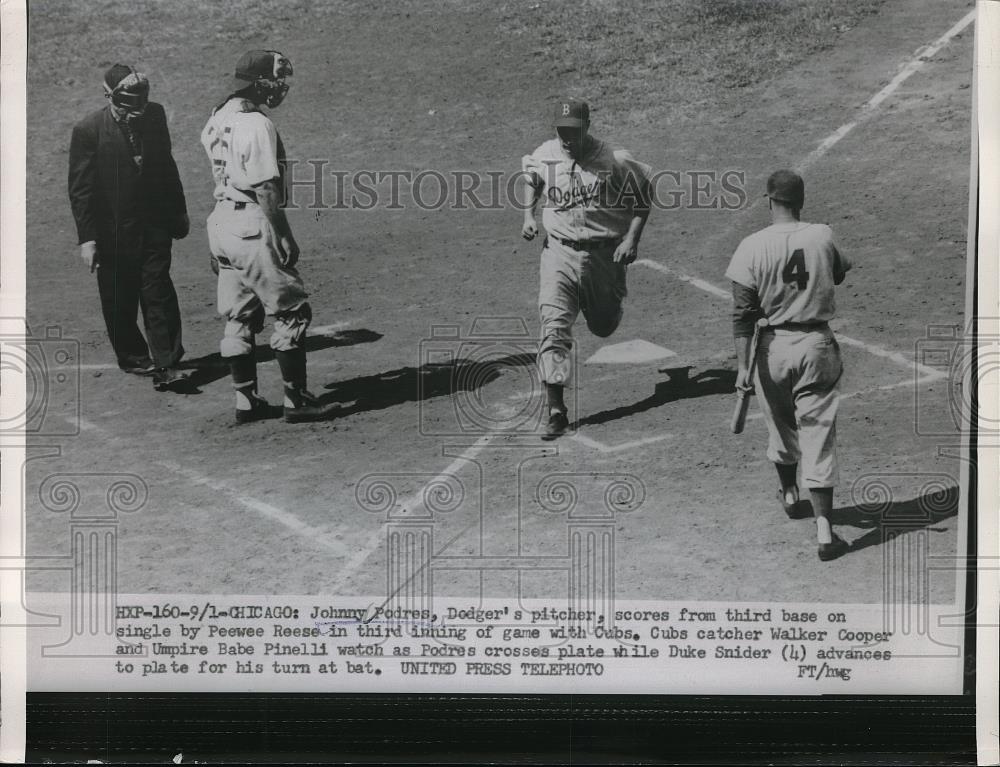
pixel 690 52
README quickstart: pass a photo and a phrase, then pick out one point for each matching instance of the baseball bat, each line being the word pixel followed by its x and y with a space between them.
pixel 742 395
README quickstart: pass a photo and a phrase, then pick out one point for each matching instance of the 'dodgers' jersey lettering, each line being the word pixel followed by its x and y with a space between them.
pixel 587 200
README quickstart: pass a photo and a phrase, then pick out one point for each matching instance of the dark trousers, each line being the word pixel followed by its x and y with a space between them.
pixel 140 278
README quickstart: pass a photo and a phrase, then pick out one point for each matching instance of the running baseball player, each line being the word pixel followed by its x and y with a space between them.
pixel 253 250
pixel 786 274
pixel 597 203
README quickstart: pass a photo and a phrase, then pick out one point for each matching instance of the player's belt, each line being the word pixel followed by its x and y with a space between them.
pixel 584 244
pixel 241 204
pixel 804 327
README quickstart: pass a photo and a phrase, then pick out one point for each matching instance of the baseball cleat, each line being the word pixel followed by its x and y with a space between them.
pixel 557 426
pixel 302 406
pixel 259 410
pixel 139 368
pixel 836 548
pixel 170 379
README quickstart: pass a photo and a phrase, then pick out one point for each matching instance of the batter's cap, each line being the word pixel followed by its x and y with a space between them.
pixel 786 186
pixel 257 64
pixel 572 113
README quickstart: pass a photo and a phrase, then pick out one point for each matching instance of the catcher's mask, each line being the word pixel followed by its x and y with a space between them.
pixel 272 92
pixel 266 71
pixel 131 93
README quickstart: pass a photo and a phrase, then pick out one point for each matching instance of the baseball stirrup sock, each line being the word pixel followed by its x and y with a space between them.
pixel 293 367
pixel 244 372
pixel 245 395
pixel 554 395
pixel 243 369
pixel 787 474
pixel 822 500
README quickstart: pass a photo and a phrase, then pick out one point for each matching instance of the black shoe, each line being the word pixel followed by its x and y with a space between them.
pixel 170 379
pixel 302 406
pixel 836 548
pixel 135 368
pixel 557 426
pixel 259 410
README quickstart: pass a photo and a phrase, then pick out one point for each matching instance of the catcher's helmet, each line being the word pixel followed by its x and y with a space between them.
pixel 266 70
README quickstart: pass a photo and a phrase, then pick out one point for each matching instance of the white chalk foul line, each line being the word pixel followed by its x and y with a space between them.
pixel 362 554
pixel 928 373
pixel 918 60
pixel 604 448
pixel 698 283
pixel 282 517
pixel 315 535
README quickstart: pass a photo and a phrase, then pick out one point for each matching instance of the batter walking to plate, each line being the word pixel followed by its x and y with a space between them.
pixel 783 278
pixel 253 249
pixel 598 200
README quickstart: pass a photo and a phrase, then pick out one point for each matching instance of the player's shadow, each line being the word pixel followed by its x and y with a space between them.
pixel 211 367
pixel 887 520
pixel 680 384
pixel 410 384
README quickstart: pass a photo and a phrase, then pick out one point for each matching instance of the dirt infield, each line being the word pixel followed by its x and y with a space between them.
pixel 276 508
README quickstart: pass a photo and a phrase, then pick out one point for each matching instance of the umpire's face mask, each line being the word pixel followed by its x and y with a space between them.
pixel 130 104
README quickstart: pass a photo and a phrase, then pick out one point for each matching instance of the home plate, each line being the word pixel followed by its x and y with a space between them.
pixel 630 353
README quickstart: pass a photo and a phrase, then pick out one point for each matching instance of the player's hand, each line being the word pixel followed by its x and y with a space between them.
pixel 742 384
pixel 529 229
pixel 88 252
pixel 626 252
pixel 181 227
pixel 289 251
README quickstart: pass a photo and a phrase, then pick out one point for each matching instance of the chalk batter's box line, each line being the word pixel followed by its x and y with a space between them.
pixel 926 373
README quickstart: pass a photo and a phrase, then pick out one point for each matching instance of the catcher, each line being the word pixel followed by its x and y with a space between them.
pixel 253 249
pixel 786 273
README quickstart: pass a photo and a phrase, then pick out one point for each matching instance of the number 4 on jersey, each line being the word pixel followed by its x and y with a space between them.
pixel 795 270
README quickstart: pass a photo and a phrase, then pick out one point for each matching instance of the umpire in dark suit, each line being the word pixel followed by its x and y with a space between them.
pixel 128 204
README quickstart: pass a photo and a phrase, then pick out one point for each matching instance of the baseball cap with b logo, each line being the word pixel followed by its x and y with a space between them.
pixel 786 186
pixel 572 113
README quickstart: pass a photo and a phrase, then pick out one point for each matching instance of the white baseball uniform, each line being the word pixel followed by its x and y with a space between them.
pixel 793 268
pixel 245 150
pixel 589 206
